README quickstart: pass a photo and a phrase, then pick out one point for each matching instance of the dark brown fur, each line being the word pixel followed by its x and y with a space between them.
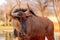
pixel 37 27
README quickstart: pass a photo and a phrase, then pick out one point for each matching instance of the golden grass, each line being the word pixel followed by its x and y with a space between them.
pixel 6 28
pixel 1 22
pixel 56 27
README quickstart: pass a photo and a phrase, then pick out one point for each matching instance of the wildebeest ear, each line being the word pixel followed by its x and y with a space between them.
pixel 28 14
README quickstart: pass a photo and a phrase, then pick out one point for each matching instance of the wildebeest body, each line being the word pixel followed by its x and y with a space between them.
pixel 36 27
pixel 39 27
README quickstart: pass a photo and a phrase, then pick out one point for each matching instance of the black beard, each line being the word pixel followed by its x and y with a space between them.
pixel 23 23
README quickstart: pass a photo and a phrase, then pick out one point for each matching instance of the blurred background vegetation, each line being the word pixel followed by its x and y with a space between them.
pixel 45 8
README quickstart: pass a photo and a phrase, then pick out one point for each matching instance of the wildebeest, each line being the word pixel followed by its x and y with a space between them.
pixel 32 27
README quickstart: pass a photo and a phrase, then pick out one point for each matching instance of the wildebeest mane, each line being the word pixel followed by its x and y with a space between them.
pixel 32 12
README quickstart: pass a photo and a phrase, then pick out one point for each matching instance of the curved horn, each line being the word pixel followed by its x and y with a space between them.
pixel 12 10
pixel 18 3
pixel 27 9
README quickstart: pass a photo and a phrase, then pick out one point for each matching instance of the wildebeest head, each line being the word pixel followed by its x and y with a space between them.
pixel 18 12
pixel 22 13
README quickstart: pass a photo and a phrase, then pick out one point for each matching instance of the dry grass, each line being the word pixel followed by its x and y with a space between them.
pixel 6 28
pixel 56 27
